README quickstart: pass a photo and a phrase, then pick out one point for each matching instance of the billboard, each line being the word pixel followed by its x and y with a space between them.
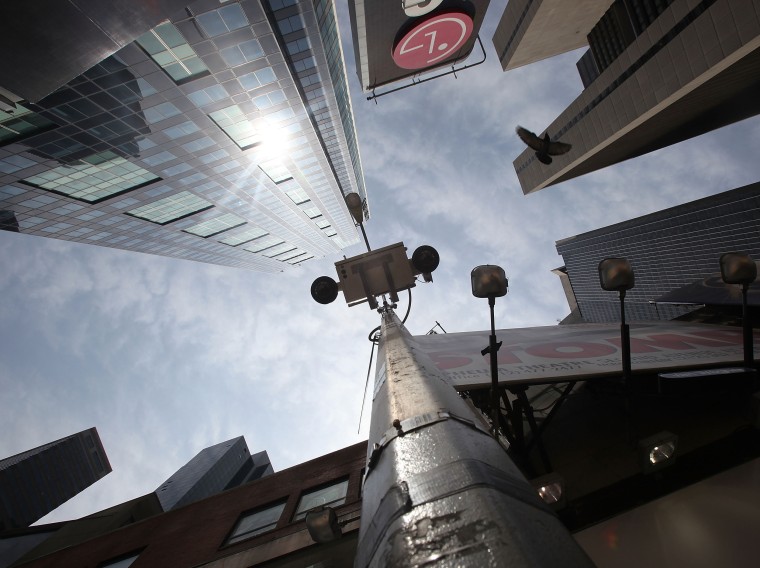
pixel 581 351
pixel 398 39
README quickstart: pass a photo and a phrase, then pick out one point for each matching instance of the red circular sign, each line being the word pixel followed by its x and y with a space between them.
pixel 433 40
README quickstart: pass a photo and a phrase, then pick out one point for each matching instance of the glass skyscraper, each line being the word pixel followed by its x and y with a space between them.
pixel 214 469
pixel 224 134
pixel 36 481
pixel 667 250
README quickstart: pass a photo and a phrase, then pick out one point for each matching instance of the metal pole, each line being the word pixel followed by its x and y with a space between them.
pixel 749 357
pixel 625 340
pixel 439 489
pixel 493 349
pixel 364 234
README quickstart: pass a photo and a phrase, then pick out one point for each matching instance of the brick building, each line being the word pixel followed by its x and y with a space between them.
pixel 260 522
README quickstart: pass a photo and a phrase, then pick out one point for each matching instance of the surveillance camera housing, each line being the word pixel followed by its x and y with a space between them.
pixel 324 290
pixel 425 260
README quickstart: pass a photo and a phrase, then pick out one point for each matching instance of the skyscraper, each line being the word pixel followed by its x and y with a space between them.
pixel 656 73
pixel 668 249
pixel 224 134
pixel 36 481
pixel 214 469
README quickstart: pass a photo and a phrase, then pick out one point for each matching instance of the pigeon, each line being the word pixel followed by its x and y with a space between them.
pixel 544 147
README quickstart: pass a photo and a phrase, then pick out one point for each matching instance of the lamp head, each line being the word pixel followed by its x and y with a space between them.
pixel 489 281
pixel 323 525
pixel 354 204
pixel 616 274
pixel 737 268
pixel 657 451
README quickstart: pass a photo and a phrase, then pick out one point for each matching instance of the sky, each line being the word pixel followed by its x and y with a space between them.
pixel 166 357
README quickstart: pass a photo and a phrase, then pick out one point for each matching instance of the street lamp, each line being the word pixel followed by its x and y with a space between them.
pixel 355 207
pixel 737 268
pixel 491 282
pixel 616 274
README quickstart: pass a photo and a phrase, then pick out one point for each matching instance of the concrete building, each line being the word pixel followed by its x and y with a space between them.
pixel 656 73
pixel 213 470
pixel 223 134
pixel 668 249
pixel 262 522
pixel 36 481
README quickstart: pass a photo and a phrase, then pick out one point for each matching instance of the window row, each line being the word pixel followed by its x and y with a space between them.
pixel 265 518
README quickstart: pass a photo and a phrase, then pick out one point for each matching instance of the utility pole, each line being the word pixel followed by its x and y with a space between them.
pixel 439 488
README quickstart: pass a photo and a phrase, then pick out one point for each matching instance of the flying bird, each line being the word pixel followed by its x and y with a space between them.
pixel 544 147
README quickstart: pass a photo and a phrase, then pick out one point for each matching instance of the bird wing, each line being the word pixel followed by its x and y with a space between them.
pixel 529 137
pixel 557 148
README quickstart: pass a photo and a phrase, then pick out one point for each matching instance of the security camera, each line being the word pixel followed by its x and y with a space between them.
pixel 425 260
pixel 324 290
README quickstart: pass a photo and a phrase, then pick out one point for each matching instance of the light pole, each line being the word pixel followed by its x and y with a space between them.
pixel 616 274
pixel 355 207
pixel 489 281
pixel 438 488
pixel 737 268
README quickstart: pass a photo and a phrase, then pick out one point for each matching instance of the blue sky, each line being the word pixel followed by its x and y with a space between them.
pixel 166 357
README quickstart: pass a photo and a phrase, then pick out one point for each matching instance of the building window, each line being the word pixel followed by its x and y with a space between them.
pixel 236 125
pixel 257 78
pixel 311 210
pixel 300 258
pixel 168 48
pixel 255 522
pixel 263 243
pixel 21 123
pixel 298 46
pixel 242 53
pixel 330 496
pixel 243 237
pixel 269 100
pixel 290 24
pixel 209 95
pixel 94 178
pixel 297 195
pixel 291 255
pixel 213 227
pixel 278 250
pixel 275 171
pixel 171 208
pixel 223 20
pixel 280 4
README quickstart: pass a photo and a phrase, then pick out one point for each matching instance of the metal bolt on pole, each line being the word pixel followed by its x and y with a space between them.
pixel 439 489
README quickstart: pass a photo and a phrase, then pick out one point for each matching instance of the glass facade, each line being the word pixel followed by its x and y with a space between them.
pixel 193 141
pixel 95 178
pixel 35 482
pixel 214 469
pixel 667 250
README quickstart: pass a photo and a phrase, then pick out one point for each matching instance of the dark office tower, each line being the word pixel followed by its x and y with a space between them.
pixel 215 469
pixel 223 133
pixel 657 72
pixel 35 482
pixel 669 250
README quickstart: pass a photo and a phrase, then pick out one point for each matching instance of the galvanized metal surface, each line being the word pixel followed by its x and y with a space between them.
pixel 439 490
